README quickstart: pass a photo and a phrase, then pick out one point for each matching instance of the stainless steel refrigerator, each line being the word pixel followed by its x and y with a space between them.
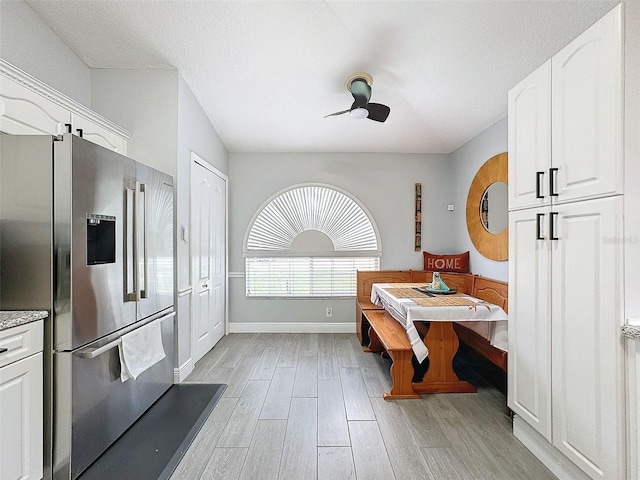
pixel 87 234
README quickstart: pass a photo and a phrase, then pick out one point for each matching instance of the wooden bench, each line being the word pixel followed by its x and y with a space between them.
pixel 363 297
pixel 387 334
pixel 379 331
pixel 496 292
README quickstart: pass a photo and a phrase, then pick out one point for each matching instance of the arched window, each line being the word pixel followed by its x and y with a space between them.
pixel 308 241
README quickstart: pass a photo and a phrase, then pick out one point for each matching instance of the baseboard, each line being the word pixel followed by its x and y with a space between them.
pixel 292 328
pixel 560 466
pixel 179 374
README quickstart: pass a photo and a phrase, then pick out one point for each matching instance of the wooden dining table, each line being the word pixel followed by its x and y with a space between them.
pixel 428 319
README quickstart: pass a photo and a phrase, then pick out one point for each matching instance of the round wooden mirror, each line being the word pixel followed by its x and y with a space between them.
pixel 487 209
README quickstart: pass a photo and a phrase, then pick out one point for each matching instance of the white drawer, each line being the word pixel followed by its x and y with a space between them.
pixel 21 342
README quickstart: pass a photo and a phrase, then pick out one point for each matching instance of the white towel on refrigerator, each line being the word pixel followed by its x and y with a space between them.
pixel 140 349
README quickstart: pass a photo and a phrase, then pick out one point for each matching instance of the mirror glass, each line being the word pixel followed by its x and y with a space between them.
pixel 494 212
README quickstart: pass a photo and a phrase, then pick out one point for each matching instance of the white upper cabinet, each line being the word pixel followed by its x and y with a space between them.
pixel 566 122
pixel 587 113
pixel 29 107
pixel 530 140
pixel 96 133
pixel 25 112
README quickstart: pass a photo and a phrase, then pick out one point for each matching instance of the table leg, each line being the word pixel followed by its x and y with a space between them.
pixel 442 342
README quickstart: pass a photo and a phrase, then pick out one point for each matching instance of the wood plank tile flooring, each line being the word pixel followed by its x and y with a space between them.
pixel 309 406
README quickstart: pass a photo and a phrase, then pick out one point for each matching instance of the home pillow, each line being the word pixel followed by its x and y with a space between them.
pixel 447 263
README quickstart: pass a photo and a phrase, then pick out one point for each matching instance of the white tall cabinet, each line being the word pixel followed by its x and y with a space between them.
pixel 566 178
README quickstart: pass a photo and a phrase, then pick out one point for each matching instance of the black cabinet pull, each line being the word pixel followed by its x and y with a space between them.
pixel 552 182
pixel 68 125
pixel 539 217
pixel 552 223
pixel 539 176
pixel 2 350
pixel 79 130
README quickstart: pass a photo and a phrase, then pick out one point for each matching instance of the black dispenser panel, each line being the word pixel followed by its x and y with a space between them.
pixel 101 239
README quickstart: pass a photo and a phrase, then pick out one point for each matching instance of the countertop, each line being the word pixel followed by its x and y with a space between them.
pixel 631 331
pixel 10 319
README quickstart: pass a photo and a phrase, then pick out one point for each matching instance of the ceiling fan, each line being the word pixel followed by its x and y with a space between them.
pixel 359 85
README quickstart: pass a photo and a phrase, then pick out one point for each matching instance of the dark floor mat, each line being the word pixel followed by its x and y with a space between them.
pixel 153 446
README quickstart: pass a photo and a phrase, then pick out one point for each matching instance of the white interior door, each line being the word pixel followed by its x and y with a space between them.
pixel 208 241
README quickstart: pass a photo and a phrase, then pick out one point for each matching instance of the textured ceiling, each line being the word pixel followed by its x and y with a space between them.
pixel 267 72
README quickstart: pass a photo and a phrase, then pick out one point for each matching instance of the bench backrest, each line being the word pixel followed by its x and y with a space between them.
pixel 367 278
pixel 493 291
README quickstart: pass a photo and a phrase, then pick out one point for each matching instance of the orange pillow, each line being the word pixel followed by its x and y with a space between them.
pixel 447 263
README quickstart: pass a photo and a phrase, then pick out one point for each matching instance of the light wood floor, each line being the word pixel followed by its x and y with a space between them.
pixel 309 406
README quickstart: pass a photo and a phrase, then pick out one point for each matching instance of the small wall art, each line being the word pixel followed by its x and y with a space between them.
pixel 418 219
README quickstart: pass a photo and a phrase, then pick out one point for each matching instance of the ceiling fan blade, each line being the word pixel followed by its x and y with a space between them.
pixel 378 112
pixel 337 113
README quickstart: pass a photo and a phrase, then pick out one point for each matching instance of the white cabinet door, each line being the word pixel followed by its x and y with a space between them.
pixel 588 393
pixel 21 419
pixel 529 372
pixel 530 140
pixel 587 112
pixel 97 134
pixel 24 112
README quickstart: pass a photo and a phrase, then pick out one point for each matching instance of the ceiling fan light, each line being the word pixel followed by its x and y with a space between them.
pixel 359 113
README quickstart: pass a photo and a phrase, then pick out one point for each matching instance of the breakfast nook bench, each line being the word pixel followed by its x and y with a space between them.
pixel 386 334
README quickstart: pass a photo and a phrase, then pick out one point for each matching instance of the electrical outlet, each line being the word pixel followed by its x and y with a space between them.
pixel 329 312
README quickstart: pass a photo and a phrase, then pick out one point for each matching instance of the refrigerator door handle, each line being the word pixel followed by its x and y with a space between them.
pixel 135 296
pixel 90 352
pixel 94 352
pixel 144 292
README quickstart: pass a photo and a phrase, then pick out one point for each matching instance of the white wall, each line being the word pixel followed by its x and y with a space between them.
pixel 465 162
pixel 195 134
pixel 383 183
pixel 29 44
pixel 145 102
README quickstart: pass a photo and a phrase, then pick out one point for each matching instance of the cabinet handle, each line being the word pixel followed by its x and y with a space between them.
pixel 552 223
pixel 2 350
pixel 552 182
pixel 68 126
pixel 80 132
pixel 539 176
pixel 539 217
